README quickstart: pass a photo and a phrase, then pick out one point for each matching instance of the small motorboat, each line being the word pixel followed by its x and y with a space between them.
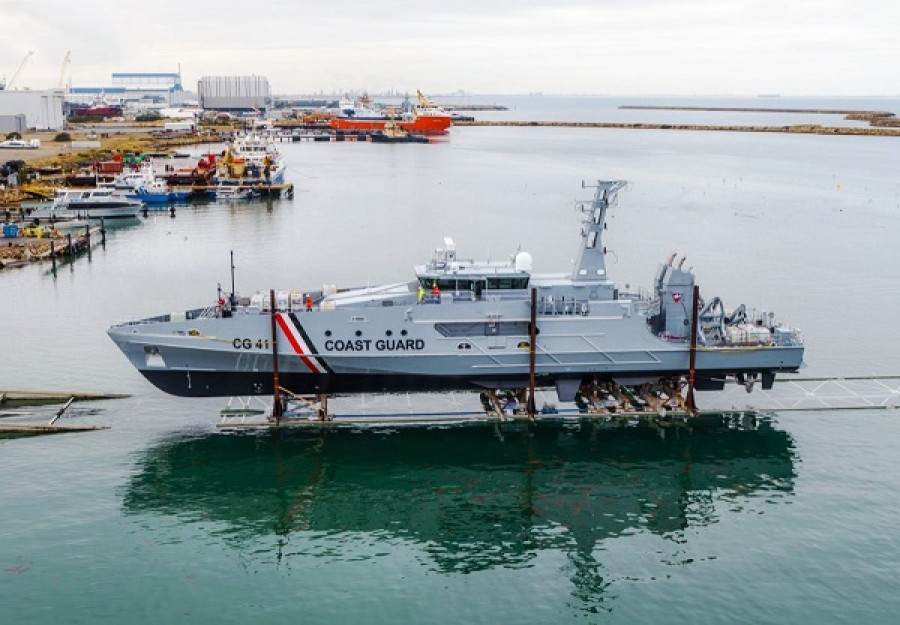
pixel 232 194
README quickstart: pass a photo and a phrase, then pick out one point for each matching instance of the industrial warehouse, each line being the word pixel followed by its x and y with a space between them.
pixel 24 107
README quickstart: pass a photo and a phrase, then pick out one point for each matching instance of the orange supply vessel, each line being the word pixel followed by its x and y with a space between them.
pixel 425 117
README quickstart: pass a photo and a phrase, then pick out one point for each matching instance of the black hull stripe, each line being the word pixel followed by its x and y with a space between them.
pixel 314 352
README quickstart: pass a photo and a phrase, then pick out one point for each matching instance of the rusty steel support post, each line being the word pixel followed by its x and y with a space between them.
pixel 276 390
pixel 690 402
pixel 532 354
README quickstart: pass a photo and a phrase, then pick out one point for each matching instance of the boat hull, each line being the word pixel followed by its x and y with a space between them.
pixel 103 212
pixel 75 212
pixel 407 349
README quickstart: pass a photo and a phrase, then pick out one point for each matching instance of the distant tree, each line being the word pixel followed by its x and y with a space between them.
pixel 62 137
pixel 13 135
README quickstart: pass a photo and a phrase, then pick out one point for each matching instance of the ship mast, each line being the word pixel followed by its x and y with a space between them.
pixel 591 264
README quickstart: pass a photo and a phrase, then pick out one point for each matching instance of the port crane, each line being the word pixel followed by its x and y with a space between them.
pixel 12 80
pixel 61 83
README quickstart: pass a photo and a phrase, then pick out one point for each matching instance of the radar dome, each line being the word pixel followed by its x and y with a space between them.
pixel 524 262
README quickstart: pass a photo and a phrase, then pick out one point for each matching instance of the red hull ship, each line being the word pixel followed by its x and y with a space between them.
pixel 98 108
pixel 424 118
pixel 98 111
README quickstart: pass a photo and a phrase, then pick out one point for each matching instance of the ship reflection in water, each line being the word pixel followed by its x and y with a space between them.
pixel 469 498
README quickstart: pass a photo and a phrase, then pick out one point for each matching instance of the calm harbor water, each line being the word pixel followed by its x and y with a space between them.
pixel 164 518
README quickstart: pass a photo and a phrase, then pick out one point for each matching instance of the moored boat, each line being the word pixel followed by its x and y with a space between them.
pixel 251 159
pixel 424 117
pixel 462 324
pixel 95 203
pixel 229 193
pixel 392 133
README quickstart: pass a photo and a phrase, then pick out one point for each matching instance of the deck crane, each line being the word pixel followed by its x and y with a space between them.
pixel 12 80
pixel 62 72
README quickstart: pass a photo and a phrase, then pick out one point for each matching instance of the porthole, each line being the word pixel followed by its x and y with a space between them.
pixel 327 332
pixel 403 333
pixel 388 333
pixel 359 333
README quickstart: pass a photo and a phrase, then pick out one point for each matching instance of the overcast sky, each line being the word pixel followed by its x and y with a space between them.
pixel 740 47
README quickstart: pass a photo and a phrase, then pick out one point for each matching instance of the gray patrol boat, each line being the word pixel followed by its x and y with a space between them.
pixel 463 324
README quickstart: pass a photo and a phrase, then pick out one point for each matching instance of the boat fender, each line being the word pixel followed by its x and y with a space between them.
pixel 221 302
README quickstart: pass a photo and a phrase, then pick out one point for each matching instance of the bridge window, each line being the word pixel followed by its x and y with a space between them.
pixel 507 283
pixel 465 284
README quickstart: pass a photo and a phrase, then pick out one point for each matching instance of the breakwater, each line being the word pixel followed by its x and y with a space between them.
pixel 875 118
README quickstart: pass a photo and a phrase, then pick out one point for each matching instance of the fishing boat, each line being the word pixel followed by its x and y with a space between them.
pixel 424 117
pixel 464 324
pixel 251 159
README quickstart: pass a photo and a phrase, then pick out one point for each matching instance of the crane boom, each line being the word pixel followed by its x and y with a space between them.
pixel 62 72
pixel 12 80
